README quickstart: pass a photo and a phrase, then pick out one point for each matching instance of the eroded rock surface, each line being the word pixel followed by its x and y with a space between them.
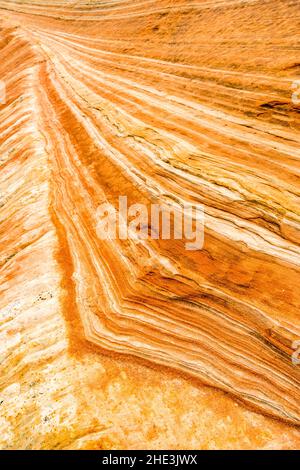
pixel 127 344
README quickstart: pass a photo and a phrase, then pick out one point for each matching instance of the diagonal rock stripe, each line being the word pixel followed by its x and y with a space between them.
pixel 176 102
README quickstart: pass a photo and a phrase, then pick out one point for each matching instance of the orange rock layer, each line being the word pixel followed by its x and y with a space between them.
pixel 129 344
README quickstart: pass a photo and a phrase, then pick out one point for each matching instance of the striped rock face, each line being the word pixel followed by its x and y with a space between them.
pixel 138 342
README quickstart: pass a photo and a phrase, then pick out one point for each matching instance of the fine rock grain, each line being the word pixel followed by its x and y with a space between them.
pixel 129 344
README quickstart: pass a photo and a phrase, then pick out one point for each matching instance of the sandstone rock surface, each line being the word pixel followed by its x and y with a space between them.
pixel 122 344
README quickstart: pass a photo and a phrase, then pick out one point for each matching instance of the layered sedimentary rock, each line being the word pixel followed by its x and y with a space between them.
pixel 142 343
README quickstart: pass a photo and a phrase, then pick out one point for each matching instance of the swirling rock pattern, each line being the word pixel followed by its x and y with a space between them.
pixel 123 344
